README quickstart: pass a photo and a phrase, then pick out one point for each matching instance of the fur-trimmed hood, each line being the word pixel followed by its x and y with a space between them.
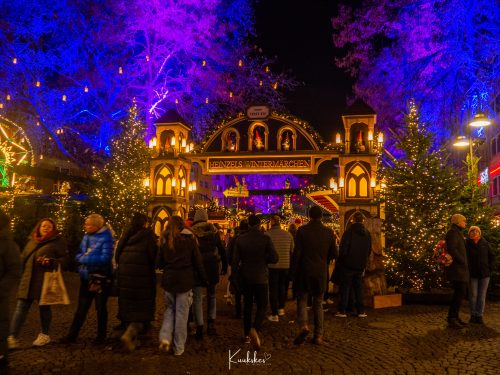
pixel 203 229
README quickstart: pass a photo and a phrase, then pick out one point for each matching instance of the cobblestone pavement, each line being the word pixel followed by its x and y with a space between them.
pixel 412 339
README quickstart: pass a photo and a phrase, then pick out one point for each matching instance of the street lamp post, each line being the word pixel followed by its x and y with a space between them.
pixel 479 120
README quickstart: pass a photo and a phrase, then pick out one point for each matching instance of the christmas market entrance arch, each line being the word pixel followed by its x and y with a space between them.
pixel 265 142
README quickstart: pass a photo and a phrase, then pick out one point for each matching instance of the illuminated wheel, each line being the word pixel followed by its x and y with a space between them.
pixel 15 150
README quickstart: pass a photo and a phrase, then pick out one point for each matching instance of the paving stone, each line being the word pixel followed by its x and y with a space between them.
pixel 410 339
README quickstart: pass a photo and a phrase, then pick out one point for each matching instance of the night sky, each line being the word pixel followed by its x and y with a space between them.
pixel 299 35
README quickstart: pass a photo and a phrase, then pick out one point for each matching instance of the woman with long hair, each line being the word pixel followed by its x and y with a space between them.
pixel 135 257
pixel 481 262
pixel 44 252
pixel 180 260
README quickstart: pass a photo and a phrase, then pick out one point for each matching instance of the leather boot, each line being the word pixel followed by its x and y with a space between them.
pixel 199 333
pixel 211 327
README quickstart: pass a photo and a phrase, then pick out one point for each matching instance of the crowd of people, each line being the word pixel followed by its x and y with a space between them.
pixel 192 257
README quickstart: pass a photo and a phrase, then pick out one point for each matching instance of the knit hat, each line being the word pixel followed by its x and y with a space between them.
pixel 473 227
pixel 457 218
pixel 200 215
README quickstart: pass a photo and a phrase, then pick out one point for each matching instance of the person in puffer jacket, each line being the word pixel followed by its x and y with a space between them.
pixel 95 267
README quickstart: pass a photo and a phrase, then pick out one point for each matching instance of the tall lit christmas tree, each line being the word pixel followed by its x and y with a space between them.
pixel 119 184
pixel 420 197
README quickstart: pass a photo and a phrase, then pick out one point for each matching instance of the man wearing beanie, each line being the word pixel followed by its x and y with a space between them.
pixel 253 251
pixel 458 272
pixel 212 253
pixel 314 249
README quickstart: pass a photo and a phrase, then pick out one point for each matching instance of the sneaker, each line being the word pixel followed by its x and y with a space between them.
pixel 13 343
pixel 247 340
pixel 341 315
pixel 273 318
pixel 179 352
pixel 281 312
pixel 254 338
pixel 362 315
pixel 129 344
pixel 165 346
pixel 329 301
pixel 41 340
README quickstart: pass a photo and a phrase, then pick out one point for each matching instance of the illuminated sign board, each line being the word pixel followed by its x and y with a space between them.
pixel 264 164
pixel 258 112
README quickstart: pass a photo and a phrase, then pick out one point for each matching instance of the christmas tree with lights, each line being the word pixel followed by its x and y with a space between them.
pixel 119 185
pixel 420 198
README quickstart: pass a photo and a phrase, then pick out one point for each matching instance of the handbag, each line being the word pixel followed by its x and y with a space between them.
pixel 98 283
pixel 53 289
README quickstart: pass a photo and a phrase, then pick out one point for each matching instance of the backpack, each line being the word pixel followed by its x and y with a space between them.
pixel 441 255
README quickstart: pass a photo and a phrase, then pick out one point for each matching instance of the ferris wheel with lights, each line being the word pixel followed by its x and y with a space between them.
pixel 15 150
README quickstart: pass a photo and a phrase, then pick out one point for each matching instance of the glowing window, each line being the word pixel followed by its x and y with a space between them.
pixel 164 182
pixel 161 221
pixel 357 183
pixel 182 180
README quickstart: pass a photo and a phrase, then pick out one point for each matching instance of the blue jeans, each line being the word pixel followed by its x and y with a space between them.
pixel 477 295
pixel 355 279
pixel 278 288
pixel 21 312
pixel 175 319
pixel 317 307
pixel 198 304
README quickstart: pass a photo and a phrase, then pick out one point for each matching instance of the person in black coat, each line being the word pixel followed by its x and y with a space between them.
pixel 213 254
pixel 234 284
pixel 253 251
pixel 354 252
pixel 481 261
pixel 10 269
pixel 135 257
pixel 458 271
pixel 314 249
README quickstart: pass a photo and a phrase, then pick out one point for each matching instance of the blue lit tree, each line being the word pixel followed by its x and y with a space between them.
pixel 443 53
pixel 74 67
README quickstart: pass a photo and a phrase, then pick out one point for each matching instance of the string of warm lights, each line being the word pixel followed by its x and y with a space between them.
pixel 420 194
pixel 119 185
pixel 85 87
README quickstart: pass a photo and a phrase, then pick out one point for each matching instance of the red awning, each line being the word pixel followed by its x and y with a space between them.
pixel 324 199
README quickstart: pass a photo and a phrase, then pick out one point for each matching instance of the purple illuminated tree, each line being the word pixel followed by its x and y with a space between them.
pixel 74 67
pixel 443 53
pixel 190 55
